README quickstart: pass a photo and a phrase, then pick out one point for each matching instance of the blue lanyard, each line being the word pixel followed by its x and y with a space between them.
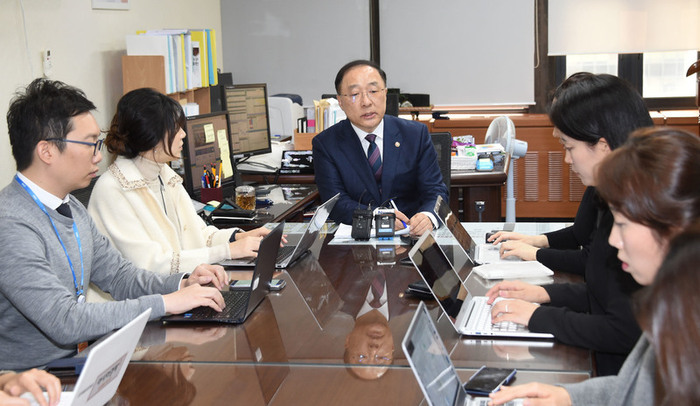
pixel 78 289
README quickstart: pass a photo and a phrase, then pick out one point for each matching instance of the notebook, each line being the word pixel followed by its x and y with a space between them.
pixel 291 252
pixel 479 253
pixel 432 366
pixel 241 303
pixel 104 367
pixel 470 315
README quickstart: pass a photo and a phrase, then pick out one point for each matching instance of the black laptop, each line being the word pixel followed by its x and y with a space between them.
pixel 241 303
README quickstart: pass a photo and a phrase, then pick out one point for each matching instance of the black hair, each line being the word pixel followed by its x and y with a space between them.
pixel 588 107
pixel 359 62
pixel 44 110
pixel 144 119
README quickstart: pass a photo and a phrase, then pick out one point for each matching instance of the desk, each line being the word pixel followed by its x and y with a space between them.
pixel 466 187
pixel 289 203
pixel 295 340
pixel 260 385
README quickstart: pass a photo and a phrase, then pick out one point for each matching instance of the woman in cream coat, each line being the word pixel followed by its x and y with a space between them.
pixel 140 204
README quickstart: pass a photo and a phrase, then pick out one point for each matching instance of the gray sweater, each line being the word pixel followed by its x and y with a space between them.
pixel 633 385
pixel 40 317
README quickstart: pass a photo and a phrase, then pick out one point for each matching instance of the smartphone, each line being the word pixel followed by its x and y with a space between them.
pixel 488 380
pixel 275 284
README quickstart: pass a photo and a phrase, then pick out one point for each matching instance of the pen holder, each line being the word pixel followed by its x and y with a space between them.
pixel 209 194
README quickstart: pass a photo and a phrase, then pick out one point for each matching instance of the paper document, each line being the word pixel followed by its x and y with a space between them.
pixel 513 270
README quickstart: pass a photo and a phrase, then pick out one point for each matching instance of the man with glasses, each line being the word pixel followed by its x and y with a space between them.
pixel 50 248
pixel 371 158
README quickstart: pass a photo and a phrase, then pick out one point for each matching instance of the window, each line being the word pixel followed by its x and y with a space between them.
pixel 664 74
pixel 594 63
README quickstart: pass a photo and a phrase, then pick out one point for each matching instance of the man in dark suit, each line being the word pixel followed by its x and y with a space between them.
pixel 370 158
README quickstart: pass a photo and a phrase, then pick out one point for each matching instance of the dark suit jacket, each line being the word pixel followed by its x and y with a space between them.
pixel 410 173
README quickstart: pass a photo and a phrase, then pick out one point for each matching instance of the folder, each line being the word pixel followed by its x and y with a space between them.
pixel 211 53
pixel 200 36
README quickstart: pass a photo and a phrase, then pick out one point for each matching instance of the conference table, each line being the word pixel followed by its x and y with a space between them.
pixel 292 349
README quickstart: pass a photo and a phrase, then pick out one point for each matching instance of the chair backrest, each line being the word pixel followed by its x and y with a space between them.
pixel 83 195
pixel 443 146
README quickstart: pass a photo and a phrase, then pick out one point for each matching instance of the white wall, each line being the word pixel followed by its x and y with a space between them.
pixel 459 51
pixel 86 45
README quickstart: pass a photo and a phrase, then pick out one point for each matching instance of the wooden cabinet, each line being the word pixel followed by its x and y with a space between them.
pixel 544 185
pixel 149 71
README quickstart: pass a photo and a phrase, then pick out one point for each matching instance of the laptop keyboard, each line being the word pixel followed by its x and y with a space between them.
pixel 235 301
pixel 285 252
pixel 483 321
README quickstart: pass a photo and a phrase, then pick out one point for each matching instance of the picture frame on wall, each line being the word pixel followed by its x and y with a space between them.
pixel 110 4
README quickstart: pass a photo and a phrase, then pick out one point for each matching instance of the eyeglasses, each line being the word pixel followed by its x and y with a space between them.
pixel 96 145
pixel 378 359
pixel 371 94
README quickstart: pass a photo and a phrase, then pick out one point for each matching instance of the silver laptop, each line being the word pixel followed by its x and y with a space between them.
pixel 288 254
pixel 479 253
pixel 432 366
pixel 470 315
pixel 105 366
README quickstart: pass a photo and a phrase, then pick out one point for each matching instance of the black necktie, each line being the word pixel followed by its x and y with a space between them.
pixel 64 209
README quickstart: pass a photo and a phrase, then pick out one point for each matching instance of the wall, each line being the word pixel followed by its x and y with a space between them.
pixel 460 51
pixel 86 46
pixel 294 47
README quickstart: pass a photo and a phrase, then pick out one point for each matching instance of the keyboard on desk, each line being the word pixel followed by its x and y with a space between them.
pixel 285 252
pixel 482 315
pixel 236 302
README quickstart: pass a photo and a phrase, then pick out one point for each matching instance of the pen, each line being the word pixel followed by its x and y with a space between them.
pixel 220 175
pixel 397 209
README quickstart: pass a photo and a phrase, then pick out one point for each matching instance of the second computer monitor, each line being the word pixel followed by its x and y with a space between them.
pixel 248 116
pixel 207 144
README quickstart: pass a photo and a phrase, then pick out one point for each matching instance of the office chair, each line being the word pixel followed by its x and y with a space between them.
pixel 83 195
pixel 443 146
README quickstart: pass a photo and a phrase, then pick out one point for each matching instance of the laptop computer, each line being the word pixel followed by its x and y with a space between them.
pixel 488 255
pixel 288 254
pixel 432 366
pixel 479 253
pixel 470 315
pixel 241 303
pixel 104 367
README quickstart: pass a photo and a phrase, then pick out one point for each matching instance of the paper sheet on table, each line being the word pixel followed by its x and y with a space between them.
pixel 344 232
pixel 512 270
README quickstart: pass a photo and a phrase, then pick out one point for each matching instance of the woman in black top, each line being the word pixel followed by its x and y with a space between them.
pixel 592 115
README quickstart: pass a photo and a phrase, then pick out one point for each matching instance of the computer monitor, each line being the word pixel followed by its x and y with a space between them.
pixel 249 119
pixel 207 143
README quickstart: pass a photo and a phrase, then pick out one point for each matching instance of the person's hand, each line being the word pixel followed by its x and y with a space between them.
pixel 258 232
pixel 519 249
pixel 539 241
pixel 515 310
pixel 34 381
pixel 420 224
pixel 204 274
pixel 401 220
pixel 518 290
pixel 193 296
pixel 537 394
pixel 245 247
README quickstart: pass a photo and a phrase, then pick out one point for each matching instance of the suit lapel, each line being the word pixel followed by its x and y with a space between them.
pixel 391 157
pixel 350 146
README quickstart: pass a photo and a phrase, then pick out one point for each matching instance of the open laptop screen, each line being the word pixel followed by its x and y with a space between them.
pixel 439 275
pixel 452 223
pixel 430 361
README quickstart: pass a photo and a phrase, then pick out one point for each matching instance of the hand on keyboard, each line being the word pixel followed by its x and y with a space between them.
pixel 517 311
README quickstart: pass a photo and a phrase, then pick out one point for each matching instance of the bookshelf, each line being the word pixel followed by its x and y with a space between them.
pixel 149 71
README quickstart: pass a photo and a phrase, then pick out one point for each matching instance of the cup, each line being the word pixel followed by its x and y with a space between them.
pixel 245 197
